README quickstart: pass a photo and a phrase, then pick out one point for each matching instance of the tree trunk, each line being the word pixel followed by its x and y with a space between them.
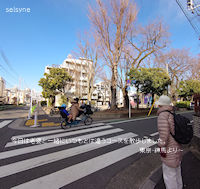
pixel 114 88
pixel 126 97
pixel 113 98
pixel 137 98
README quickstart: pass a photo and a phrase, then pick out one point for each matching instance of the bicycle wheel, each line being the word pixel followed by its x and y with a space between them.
pixel 64 125
pixel 88 121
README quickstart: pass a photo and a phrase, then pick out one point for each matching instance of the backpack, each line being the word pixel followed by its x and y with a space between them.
pixel 183 131
pixel 88 109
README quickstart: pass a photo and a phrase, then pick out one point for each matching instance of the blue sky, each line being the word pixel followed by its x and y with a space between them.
pixel 47 34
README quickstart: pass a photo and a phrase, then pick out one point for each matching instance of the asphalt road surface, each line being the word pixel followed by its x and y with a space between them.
pixel 87 157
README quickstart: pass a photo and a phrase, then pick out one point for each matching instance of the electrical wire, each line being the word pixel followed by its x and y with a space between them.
pixel 7 62
pixel 195 27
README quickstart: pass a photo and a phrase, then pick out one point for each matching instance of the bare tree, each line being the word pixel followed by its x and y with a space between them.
pixel 112 23
pixel 145 42
pixel 141 45
pixel 124 67
pixel 178 62
pixel 88 49
pixel 195 68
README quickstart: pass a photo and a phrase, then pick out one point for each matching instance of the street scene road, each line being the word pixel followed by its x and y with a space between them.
pixel 87 157
pixel 100 94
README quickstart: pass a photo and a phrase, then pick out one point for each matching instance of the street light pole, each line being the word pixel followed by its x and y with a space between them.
pixel 167 70
pixel 29 115
pixel 129 104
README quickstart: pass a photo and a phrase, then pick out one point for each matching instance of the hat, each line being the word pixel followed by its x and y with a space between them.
pixel 164 101
pixel 63 106
pixel 76 99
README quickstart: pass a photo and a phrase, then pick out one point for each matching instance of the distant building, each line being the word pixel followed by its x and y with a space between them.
pixel 2 90
pixel 11 96
pixel 16 96
pixel 102 93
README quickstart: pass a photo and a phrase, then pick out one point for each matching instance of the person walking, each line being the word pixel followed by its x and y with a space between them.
pixel 170 150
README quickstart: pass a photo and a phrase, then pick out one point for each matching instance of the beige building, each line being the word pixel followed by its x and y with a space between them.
pixel 16 96
pixel 2 90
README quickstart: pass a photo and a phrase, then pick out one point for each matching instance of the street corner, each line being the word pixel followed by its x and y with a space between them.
pixel 41 123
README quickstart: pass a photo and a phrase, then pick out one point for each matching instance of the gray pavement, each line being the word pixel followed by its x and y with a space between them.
pixel 14 113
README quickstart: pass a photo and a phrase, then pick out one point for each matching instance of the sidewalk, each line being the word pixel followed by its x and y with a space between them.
pixel 190 172
pixel 146 173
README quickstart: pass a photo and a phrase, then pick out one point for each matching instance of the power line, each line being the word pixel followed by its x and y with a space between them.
pixel 6 71
pixel 16 75
pixel 195 27
pixel 7 62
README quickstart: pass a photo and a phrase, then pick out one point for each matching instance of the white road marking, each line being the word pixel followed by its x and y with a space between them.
pixel 4 123
pixel 68 175
pixel 52 157
pixel 12 153
pixel 132 120
pixel 51 132
pixel 154 134
pixel 9 144
pixel 144 118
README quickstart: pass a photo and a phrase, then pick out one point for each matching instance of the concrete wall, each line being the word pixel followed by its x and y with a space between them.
pixel 196 126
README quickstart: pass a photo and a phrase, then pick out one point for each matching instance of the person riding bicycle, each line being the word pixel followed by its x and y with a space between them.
pixel 75 109
pixel 65 112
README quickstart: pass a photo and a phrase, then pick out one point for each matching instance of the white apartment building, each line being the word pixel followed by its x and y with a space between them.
pixel 80 70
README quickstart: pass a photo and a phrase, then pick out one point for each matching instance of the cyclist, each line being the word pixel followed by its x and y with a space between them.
pixel 75 109
pixel 66 113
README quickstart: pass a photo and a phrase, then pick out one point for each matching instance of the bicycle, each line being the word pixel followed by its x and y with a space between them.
pixel 86 119
pixel 54 111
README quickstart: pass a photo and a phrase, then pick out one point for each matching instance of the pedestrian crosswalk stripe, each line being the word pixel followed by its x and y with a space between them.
pixel 51 132
pixel 154 134
pixel 68 175
pixel 63 134
pixel 52 157
pixel 26 150
pixel 4 123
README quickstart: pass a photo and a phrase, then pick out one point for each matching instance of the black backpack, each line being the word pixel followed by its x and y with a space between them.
pixel 88 109
pixel 183 131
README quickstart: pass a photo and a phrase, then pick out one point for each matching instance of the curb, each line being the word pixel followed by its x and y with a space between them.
pixel 153 179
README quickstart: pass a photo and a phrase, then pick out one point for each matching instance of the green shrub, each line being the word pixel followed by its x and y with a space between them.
pixel 43 103
pixel 63 100
pixel 183 104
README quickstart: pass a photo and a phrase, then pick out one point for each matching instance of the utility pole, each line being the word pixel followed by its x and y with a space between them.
pixel 29 115
pixel 18 93
pixel 129 104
